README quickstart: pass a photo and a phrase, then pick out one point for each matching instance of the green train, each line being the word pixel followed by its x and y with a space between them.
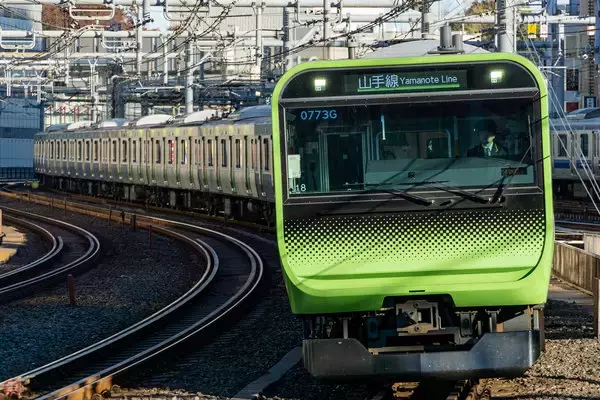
pixel 414 216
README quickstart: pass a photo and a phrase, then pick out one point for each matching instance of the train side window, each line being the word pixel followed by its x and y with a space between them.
pixel 87 150
pixel 184 151
pixel 238 153
pixel 266 146
pixel 209 149
pixel 253 151
pixel 51 150
pixel 95 151
pixel 64 150
pixel 146 152
pixel 134 151
pixel 157 154
pixel 562 144
pixel 79 150
pixel 171 158
pixel 585 145
pixel 223 153
pixel 124 151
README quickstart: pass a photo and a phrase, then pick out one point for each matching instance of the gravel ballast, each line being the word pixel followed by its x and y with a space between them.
pixel 128 282
pixel 35 246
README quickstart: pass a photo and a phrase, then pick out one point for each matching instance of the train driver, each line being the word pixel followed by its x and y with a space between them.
pixel 487 147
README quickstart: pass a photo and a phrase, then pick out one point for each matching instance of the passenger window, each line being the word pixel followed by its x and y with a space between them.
pixel 157 150
pixel 223 153
pixel 79 150
pixel 134 151
pixel 146 151
pixel 171 159
pixel 209 149
pixel 562 144
pixel 124 151
pixel 238 153
pixel 51 150
pixel 584 144
pixel 87 150
pixel 184 151
pixel 253 151
pixel 114 151
pixel 266 145
pixel 64 151
pixel 95 155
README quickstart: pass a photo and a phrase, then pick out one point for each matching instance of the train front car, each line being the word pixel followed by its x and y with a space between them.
pixel 414 214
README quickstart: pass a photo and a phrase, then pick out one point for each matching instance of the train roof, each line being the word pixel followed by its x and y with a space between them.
pixel 561 124
pixel 416 48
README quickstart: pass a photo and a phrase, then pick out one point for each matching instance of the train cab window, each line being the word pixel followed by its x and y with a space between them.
pixel 184 151
pixel 266 152
pixel 134 151
pixel 223 153
pixel 87 150
pixel 124 151
pixel 95 155
pixel 79 150
pixel 561 142
pixel 585 145
pixel 209 151
pixel 157 155
pixel 238 153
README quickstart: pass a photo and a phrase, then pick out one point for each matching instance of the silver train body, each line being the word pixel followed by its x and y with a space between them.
pixel 575 153
pixel 223 165
pixel 226 165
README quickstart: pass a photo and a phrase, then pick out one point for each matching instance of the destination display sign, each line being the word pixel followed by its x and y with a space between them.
pixel 402 79
pixel 406 81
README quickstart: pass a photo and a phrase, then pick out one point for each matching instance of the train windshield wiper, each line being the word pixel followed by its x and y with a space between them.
pixel 440 185
pixel 403 194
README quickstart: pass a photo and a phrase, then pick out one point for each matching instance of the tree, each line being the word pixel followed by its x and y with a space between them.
pixel 54 17
pixel 479 7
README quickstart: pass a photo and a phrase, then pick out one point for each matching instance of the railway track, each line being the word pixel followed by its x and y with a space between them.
pixel 72 249
pixel 431 390
pixel 233 272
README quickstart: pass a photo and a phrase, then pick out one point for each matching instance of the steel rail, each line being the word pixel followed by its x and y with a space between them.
pixel 23 286
pixel 57 246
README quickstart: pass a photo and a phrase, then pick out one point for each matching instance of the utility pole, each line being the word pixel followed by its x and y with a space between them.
pixel 326 29
pixel 425 20
pixel 505 26
pixel 259 42
pixel 189 77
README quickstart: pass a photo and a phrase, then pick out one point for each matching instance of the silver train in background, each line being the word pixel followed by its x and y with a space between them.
pixel 223 166
pixel 580 147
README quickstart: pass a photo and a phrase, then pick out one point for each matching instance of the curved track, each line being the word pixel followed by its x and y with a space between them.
pixel 72 248
pixel 234 271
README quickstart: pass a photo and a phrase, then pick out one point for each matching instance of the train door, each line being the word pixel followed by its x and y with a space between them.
pixel 582 153
pixel 95 158
pixel 87 156
pixel 259 165
pixel 595 135
pixel 342 159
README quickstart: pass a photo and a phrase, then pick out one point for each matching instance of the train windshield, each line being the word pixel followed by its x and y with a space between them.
pixel 397 146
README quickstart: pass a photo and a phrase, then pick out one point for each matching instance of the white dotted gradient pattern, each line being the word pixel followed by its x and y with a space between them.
pixel 405 238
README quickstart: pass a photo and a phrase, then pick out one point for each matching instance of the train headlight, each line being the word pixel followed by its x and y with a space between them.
pixel 496 76
pixel 320 84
